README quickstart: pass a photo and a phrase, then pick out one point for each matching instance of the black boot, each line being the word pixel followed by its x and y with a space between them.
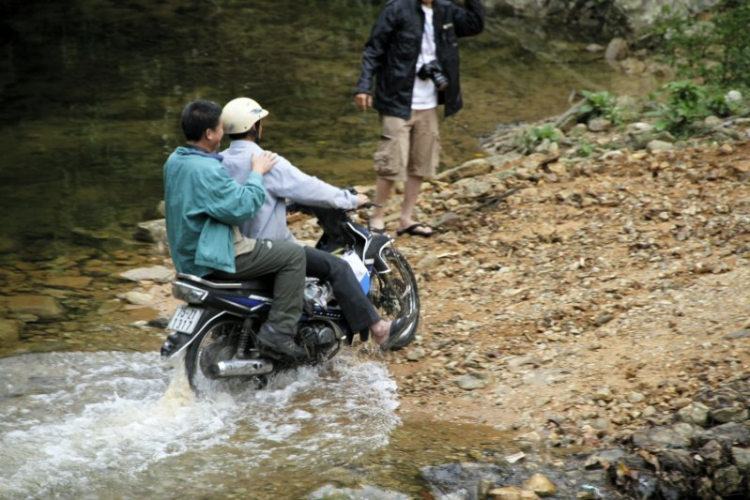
pixel 270 337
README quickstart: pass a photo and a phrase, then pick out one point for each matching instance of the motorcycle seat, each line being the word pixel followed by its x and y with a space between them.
pixel 261 284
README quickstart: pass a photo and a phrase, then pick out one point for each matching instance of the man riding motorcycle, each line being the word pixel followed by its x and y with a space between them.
pixel 242 122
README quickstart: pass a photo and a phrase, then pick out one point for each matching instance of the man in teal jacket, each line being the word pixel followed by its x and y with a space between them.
pixel 205 206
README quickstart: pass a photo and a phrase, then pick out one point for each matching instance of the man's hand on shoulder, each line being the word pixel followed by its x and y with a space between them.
pixel 264 162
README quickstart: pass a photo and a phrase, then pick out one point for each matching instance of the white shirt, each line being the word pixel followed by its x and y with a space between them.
pixel 425 94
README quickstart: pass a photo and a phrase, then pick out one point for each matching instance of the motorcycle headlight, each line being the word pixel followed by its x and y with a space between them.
pixel 188 293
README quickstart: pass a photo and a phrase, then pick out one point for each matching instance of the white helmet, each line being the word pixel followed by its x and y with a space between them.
pixel 239 115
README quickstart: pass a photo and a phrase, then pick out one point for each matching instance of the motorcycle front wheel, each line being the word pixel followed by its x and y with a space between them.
pixel 217 343
pixel 395 294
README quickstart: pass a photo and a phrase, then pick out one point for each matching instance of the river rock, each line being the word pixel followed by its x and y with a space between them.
pixel 74 282
pixel 679 435
pixel 656 146
pixel 616 50
pixel 153 231
pixel 109 307
pixel 512 493
pixel 694 413
pixel 541 485
pixel 739 334
pixel 730 414
pixel 366 491
pixel 728 481
pixel 139 298
pixel 157 274
pixel 10 331
pixel 633 66
pixel 599 125
pixel 731 434
pixel 712 454
pixel 741 458
pixel 45 308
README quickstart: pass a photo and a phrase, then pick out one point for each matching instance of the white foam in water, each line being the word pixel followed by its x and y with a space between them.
pixel 84 424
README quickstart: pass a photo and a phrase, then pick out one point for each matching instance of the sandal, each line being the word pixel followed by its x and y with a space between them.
pixel 413 230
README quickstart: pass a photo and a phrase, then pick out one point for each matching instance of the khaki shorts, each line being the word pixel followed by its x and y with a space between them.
pixel 408 147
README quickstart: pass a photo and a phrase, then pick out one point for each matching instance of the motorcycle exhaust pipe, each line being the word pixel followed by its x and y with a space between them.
pixel 242 368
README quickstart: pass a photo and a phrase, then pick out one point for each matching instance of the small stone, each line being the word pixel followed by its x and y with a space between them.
pixel 139 299
pixel 416 354
pixel 694 413
pixel 656 146
pixel 730 414
pixel 516 457
pixel 541 485
pixel 739 334
pixel 471 381
pixel 636 397
pixel 512 493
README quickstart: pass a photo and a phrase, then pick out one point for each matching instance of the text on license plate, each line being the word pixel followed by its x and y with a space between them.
pixel 184 319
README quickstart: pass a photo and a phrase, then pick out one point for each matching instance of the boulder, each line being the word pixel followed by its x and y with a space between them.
pixel 45 308
pixel 10 331
pixel 153 231
pixel 157 274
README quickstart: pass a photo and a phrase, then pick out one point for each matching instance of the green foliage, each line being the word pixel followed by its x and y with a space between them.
pixel 713 48
pixel 585 148
pixel 685 102
pixel 535 136
pixel 601 104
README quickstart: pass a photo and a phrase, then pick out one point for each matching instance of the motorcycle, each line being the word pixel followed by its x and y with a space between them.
pixel 217 327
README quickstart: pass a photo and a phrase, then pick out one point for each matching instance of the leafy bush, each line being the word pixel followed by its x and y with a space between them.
pixel 713 47
pixel 600 104
pixel 536 135
pixel 685 103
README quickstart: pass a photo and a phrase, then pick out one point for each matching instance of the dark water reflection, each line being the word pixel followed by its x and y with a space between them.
pixel 91 90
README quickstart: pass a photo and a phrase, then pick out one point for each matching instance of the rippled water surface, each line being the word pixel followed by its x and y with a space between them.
pixel 108 424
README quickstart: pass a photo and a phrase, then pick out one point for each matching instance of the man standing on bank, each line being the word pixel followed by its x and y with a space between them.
pixel 412 54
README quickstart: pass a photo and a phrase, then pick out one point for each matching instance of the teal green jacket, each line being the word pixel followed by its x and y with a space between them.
pixel 202 204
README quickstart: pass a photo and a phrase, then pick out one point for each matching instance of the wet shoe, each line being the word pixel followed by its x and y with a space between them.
pixel 401 329
pixel 270 337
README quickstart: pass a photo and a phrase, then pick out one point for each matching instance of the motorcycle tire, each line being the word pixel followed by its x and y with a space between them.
pixel 216 343
pixel 396 293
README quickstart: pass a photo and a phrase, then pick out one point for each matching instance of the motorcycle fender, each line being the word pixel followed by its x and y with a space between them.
pixel 379 243
pixel 177 341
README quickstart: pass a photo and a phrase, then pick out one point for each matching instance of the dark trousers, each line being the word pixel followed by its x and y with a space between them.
pixel 358 310
pixel 287 261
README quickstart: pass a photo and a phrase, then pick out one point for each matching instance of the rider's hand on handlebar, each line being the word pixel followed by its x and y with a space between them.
pixel 362 199
pixel 264 162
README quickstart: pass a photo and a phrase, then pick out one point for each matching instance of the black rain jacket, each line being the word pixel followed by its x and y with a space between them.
pixel 391 53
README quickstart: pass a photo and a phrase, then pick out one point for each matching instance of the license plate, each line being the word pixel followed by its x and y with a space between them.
pixel 185 319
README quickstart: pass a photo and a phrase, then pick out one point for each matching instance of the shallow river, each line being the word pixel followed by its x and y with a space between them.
pixel 125 425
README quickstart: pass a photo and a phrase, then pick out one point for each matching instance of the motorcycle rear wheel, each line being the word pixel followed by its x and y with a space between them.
pixel 395 294
pixel 216 343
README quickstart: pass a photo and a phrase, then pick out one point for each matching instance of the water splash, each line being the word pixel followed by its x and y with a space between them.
pixel 121 424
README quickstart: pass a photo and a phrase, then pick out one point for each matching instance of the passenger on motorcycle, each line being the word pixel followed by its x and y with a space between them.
pixel 242 121
pixel 205 206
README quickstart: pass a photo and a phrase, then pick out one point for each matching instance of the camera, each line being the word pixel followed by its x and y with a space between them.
pixel 434 71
